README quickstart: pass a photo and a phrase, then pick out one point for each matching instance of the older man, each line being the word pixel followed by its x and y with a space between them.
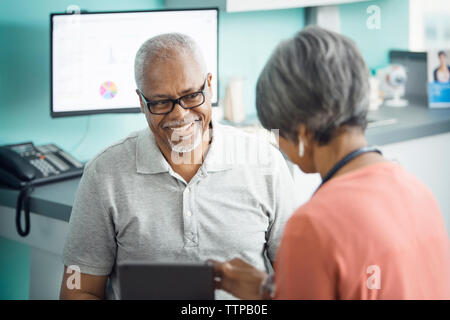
pixel 175 191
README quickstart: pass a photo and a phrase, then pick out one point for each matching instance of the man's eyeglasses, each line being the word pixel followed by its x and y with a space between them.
pixel 189 101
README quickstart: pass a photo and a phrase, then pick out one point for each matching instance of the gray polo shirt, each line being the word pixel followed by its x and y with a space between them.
pixel 131 205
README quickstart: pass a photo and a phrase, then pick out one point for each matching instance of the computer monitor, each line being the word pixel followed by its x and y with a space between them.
pixel 92 55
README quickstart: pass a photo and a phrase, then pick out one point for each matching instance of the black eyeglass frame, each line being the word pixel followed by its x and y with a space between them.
pixel 175 101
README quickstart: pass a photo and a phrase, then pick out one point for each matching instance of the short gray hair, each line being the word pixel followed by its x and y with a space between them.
pixel 161 47
pixel 319 79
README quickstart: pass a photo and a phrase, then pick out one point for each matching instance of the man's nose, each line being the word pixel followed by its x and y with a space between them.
pixel 179 112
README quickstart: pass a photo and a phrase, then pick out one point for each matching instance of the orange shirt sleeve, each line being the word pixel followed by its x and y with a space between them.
pixel 304 268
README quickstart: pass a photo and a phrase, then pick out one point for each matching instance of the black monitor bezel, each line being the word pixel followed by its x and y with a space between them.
pixel 58 114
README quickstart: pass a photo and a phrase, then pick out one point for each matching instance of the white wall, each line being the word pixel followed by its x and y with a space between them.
pixel 433 15
pixel 427 158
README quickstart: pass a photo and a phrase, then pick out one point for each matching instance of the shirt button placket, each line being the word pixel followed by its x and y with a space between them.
pixel 189 220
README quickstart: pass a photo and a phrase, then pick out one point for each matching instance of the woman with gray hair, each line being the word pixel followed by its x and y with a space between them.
pixel 371 230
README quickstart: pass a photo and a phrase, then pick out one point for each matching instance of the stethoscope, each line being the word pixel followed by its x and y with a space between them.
pixel 349 157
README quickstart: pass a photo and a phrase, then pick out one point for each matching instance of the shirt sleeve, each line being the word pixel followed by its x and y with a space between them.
pixel 90 243
pixel 304 267
pixel 284 205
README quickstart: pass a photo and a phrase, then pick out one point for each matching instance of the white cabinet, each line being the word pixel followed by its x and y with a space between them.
pixel 46 243
pixel 252 5
pixel 249 5
pixel 427 158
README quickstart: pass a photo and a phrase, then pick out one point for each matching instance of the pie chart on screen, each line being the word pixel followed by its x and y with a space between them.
pixel 108 90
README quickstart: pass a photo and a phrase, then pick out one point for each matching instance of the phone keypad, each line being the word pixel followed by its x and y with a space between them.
pixel 57 162
pixel 47 148
pixel 44 167
pixel 71 159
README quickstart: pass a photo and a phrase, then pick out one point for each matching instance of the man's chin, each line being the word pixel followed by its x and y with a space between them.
pixel 187 145
pixel 182 147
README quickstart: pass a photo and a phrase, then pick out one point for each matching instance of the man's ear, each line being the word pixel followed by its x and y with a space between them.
pixel 209 82
pixel 141 103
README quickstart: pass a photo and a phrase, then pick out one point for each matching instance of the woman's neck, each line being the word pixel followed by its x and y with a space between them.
pixel 326 157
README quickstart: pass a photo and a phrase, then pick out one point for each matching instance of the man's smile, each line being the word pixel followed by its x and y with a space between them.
pixel 181 130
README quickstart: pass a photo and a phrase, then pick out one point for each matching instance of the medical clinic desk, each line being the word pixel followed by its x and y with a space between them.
pixel 50 207
pixel 418 137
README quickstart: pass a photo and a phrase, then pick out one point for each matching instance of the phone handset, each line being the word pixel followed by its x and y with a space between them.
pixel 24 166
pixel 15 169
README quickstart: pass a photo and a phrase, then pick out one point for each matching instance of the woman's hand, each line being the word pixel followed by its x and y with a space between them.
pixel 239 278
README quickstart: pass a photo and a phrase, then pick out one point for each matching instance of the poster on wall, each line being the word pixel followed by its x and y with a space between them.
pixel 438 64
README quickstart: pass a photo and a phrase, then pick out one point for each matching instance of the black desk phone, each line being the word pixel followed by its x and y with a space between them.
pixel 23 166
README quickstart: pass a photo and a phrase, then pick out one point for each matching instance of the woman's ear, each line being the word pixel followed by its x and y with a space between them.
pixel 306 135
pixel 301 140
pixel 302 134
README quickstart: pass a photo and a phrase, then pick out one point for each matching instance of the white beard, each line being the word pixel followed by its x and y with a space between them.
pixel 181 147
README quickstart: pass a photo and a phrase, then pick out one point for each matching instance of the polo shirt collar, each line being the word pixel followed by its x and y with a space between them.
pixel 150 160
pixel 216 158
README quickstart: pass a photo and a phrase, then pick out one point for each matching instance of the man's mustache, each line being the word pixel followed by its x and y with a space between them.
pixel 179 123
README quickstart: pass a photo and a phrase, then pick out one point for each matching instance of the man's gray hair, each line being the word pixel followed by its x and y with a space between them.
pixel 164 46
pixel 318 79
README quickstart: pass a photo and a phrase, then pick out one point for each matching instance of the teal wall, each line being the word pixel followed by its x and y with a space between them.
pixel 14 270
pixel 24 63
pixel 246 40
pixel 25 79
pixel 24 88
pixel 375 44
pixel 24 104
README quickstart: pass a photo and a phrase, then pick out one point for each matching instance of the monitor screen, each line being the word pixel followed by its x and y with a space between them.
pixel 92 55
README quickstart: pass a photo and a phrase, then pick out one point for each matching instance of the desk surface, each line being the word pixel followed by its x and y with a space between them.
pixel 54 200
pixel 413 122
